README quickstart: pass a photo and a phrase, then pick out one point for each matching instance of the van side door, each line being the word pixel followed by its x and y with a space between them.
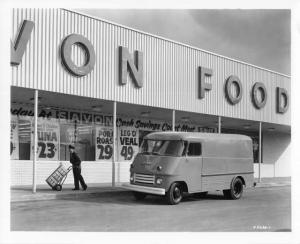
pixel 193 166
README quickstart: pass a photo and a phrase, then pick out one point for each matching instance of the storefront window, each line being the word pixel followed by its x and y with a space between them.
pixel 22 147
pixel 79 135
pixel 91 134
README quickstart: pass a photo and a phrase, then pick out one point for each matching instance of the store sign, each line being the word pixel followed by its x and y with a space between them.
pixel 258 86
pixel 282 100
pixel 104 143
pixel 282 97
pixel 14 138
pixel 151 125
pixel 48 140
pixel 134 66
pixel 233 80
pixel 128 143
pixel 25 111
pixel 203 73
pixel 107 120
pixel 66 50
pixel 17 48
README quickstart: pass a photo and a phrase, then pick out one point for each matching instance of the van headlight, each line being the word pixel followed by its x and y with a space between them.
pixel 131 178
pixel 159 181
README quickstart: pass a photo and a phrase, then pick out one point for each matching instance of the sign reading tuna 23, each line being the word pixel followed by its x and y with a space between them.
pixel 134 66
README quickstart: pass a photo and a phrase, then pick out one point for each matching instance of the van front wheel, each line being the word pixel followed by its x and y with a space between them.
pixel 236 189
pixel 174 194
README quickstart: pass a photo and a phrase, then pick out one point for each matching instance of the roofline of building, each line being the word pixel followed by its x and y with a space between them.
pixel 176 42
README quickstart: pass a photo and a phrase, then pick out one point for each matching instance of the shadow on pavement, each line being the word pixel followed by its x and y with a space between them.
pixel 127 198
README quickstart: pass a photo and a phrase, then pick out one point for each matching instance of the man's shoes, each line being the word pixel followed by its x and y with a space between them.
pixel 75 189
pixel 84 188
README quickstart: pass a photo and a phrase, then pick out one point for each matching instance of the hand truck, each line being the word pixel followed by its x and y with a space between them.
pixel 58 177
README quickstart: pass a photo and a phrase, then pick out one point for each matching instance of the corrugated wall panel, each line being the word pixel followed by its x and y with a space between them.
pixel 170 68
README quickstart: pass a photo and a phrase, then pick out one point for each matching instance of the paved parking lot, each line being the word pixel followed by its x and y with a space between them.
pixel 260 209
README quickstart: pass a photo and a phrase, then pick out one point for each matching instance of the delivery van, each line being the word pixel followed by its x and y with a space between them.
pixel 173 163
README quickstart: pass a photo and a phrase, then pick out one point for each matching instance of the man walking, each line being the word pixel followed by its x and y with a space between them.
pixel 75 161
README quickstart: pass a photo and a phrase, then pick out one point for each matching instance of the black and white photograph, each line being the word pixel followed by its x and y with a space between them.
pixel 147 121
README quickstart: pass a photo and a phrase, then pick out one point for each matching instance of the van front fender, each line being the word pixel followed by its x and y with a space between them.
pixel 171 180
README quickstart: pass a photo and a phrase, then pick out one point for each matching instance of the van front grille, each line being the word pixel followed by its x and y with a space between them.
pixel 145 179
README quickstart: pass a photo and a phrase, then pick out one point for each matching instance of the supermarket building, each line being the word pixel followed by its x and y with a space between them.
pixel 97 85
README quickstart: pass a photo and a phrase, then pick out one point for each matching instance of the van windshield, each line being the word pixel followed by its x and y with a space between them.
pixel 162 147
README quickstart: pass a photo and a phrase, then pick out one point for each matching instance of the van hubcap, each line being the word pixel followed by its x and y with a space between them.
pixel 237 189
pixel 177 193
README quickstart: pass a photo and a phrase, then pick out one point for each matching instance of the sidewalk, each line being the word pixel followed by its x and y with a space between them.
pixel 44 192
pixel 271 182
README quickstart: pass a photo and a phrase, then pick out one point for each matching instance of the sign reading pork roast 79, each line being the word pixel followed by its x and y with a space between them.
pixel 233 86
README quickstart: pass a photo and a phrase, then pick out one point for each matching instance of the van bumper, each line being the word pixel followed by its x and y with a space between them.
pixel 145 189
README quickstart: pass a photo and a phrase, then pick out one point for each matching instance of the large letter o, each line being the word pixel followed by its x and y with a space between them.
pixel 229 82
pixel 282 100
pixel 259 86
pixel 66 48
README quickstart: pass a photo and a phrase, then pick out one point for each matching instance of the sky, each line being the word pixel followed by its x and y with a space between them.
pixel 259 37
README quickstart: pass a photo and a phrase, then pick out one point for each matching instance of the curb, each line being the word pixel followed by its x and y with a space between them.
pixel 261 184
pixel 68 195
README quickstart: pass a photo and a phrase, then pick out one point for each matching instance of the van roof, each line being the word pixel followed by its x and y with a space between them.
pixel 194 136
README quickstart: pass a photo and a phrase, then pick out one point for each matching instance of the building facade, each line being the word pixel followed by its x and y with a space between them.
pixel 102 86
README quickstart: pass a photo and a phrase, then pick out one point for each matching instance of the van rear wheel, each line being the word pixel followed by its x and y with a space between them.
pixel 174 194
pixel 236 189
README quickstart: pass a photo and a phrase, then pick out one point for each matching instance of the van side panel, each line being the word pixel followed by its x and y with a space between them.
pixel 249 180
pixel 222 182
pixel 219 166
pixel 228 148
pixel 217 173
pixel 189 171
pixel 212 183
pixel 225 159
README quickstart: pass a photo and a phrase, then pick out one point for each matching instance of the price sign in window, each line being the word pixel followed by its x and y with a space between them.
pixel 104 143
pixel 128 143
pixel 48 140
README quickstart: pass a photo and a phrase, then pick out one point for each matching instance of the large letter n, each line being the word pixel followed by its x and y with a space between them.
pixel 135 67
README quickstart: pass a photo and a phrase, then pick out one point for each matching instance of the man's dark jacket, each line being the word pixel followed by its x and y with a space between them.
pixel 74 159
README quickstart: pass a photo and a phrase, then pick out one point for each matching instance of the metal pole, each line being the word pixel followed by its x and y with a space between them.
pixel 115 144
pixel 173 120
pixel 219 125
pixel 36 95
pixel 259 155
